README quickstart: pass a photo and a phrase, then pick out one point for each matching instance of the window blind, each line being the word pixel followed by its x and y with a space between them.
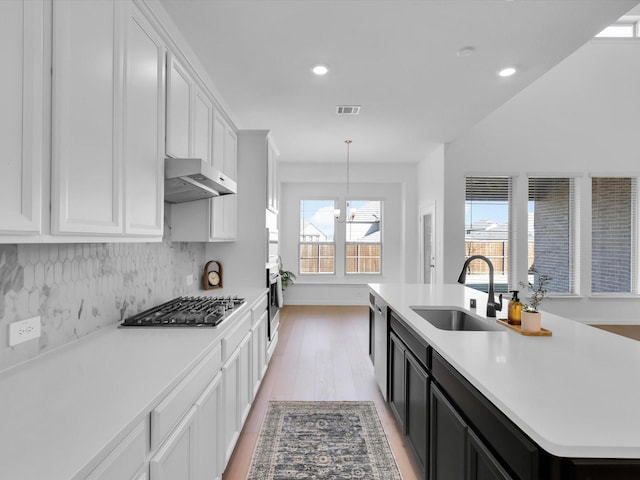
pixel 614 241
pixel 487 230
pixel 552 232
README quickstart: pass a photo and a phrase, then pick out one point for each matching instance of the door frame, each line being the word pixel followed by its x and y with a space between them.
pixel 427 209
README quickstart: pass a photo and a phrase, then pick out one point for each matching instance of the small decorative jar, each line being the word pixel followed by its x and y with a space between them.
pixel 531 321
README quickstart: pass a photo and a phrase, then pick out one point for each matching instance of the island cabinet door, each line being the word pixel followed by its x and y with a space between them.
pixel 417 401
pixel 481 464
pixel 397 393
pixel 455 451
pixel 447 439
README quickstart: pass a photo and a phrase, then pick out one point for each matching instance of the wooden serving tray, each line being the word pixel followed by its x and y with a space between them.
pixel 518 328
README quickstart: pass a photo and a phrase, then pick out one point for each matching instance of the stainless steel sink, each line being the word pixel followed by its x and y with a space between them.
pixel 456 320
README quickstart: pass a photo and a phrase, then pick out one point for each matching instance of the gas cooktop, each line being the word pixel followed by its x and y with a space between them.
pixel 186 312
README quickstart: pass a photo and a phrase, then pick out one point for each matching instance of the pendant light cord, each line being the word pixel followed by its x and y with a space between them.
pixel 348 142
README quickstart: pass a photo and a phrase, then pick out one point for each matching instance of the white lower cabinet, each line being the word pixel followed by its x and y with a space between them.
pixel 209 454
pixel 245 397
pixel 191 433
pixel 237 400
pixel 126 461
pixel 176 457
pixel 258 351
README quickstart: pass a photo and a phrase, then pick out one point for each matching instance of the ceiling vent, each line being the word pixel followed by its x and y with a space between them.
pixel 348 109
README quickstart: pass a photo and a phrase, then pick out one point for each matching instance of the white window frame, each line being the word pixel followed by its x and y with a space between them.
pixel 319 244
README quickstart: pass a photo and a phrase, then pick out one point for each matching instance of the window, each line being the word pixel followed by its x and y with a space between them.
pixel 487 214
pixel 363 236
pixel 551 232
pixel 316 243
pixel 614 242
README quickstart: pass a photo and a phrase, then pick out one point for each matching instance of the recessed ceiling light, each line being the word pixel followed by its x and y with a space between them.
pixel 320 69
pixel 507 72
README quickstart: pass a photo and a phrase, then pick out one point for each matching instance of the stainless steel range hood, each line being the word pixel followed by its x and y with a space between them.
pixel 189 179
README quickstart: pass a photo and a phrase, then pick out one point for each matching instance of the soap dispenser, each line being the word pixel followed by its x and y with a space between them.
pixel 514 314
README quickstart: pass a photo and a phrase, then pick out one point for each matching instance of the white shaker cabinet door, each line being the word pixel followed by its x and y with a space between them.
pixel 219 134
pixel 87 114
pixel 209 454
pixel 127 460
pixel 21 97
pixel 225 158
pixel 258 352
pixel 144 127
pixel 175 459
pixel 203 127
pixel 180 88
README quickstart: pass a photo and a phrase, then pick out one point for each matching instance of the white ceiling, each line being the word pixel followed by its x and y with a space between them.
pixel 395 58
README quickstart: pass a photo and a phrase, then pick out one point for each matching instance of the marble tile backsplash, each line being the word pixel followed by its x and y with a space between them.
pixel 80 288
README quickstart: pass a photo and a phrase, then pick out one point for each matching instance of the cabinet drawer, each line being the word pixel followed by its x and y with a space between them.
pixel 126 459
pixel 233 338
pixel 167 414
pixel 419 349
pixel 259 308
pixel 500 434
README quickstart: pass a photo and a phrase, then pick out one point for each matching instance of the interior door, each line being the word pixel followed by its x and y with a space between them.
pixel 427 234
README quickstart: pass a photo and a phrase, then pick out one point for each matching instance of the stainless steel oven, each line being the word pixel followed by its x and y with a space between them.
pixel 275 296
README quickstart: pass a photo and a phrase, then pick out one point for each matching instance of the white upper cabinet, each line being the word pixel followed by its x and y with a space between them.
pixel 214 219
pixel 144 127
pixel 87 115
pixel 21 97
pixel 224 209
pixel 108 121
pixel 180 94
pixel 219 128
pixel 203 127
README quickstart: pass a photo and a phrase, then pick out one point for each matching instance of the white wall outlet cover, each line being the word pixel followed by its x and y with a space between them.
pixel 24 330
pixel 189 279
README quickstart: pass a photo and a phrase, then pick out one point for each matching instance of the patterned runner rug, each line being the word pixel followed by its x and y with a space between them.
pixel 322 440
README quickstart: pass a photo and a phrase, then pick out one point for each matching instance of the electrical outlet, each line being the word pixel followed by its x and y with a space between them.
pixel 189 279
pixel 24 330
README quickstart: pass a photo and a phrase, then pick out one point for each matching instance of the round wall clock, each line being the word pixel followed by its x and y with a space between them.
pixel 212 275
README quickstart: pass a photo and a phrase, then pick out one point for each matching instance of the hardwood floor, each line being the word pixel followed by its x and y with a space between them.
pixel 630 331
pixel 322 354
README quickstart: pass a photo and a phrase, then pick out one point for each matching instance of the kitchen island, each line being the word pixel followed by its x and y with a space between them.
pixel 573 395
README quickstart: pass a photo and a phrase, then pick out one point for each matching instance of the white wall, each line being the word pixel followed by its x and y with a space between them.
pixel 393 184
pixel 582 118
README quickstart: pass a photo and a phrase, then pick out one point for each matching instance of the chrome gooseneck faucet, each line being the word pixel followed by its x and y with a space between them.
pixel 492 306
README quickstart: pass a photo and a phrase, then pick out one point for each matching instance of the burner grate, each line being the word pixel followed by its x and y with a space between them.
pixel 186 312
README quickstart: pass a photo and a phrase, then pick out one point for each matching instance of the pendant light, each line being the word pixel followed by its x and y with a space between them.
pixel 337 212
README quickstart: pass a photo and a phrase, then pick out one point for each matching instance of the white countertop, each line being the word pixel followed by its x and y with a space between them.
pixel 576 393
pixel 61 410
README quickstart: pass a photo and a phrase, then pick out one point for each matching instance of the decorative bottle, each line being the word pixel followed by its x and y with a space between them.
pixel 514 314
